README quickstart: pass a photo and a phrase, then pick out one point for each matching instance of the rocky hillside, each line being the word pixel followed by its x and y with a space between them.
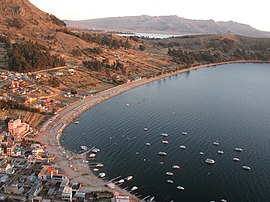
pixel 167 24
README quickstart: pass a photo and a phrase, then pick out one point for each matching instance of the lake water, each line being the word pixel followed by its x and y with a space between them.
pixel 150 35
pixel 228 103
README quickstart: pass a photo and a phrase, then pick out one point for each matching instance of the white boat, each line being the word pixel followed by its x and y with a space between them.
pixel 127 105
pixel 238 149
pixel 236 159
pixel 223 200
pixel 95 169
pixel 162 153
pixel 169 173
pixel 246 167
pixel 170 181
pixel 216 143
pixel 220 152
pixel 99 165
pixel 95 150
pixel 201 153
pixel 134 188
pixel 184 133
pixel 209 161
pixel 147 144
pixel 151 199
pixel 101 175
pixel 175 166
pixel 161 163
pixel 164 134
pixel 182 147
pixel 76 122
pixel 145 129
pixel 84 147
pixel 180 188
pixel 121 181
pixel 92 155
pixel 165 142
pixel 129 177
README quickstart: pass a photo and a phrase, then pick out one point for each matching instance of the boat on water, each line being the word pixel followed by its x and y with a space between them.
pixel 121 181
pixel 169 173
pixel 161 163
pixel 246 167
pixel 134 188
pixel 223 200
pixel 76 122
pixel 216 143
pixel 170 181
pixel 220 152
pixel 209 161
pixel 236 159
pixel 175 166
pixel 99 165
pixel 151 199
pixel 162 153
pixel 84 147
pixel 180 188
pixel 101 175
pixel 165 142
pixel 129 177
pixel 238 149
pixel 92 155
pixel 182 147
pixel 184 133
pixel 201 153
pixel 95 150
pixel 164 134
pixel 95 169
pixel 147 144
pixel 145 129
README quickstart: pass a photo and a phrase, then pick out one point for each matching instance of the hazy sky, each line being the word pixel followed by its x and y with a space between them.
pixel 255 13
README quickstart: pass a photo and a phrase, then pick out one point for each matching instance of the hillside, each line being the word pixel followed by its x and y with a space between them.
pixel 167 24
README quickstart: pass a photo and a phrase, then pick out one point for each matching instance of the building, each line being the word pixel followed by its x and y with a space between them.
pixel 67 194
pixel 16 127
pixel 52 172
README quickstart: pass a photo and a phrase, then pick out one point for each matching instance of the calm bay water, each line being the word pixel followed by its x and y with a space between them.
pixel 228 103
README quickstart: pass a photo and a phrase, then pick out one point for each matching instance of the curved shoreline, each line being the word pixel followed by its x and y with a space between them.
pixel 50 136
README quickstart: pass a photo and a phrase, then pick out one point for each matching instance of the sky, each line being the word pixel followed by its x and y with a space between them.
pixel 255 13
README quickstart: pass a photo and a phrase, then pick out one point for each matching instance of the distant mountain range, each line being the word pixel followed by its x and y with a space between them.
pixel 167 25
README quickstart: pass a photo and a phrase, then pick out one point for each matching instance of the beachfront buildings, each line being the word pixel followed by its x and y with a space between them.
pixel 17 127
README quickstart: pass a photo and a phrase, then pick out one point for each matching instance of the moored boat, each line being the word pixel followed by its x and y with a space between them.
pixel 182 147
pixel 169 173
pixel 164 134
pixel 216 143
pixel 220 152
pixel 175 166
pixel 209 161
pixel 134 188
pixel 129 177
pixel 147 144
pixel 238 149
pixel 246 167
pixel 170 181
pixel 92 155
pixel 180 188
pixel 162 153
pixel 236 159
pixel 184 133
pixel 101 175
pixel 165 142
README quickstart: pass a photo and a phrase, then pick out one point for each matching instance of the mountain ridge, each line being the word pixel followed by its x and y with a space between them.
pixel 171 24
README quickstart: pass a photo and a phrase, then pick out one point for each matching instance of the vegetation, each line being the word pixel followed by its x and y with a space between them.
pixel 10 104
pixel 191 50
pixel 98 66
pixel 56 21
pixel 100 39
pixel 15 22
pixel 27 57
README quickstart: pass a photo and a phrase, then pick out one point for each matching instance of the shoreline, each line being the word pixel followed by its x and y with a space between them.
pixel 52 130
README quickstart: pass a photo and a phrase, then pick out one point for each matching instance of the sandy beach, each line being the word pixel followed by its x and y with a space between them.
pixel 75 166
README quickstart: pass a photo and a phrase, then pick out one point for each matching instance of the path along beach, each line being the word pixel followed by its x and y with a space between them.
pixel 52 130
